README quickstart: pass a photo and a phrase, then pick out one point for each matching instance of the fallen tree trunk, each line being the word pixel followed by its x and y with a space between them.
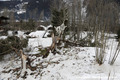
pixel 70 43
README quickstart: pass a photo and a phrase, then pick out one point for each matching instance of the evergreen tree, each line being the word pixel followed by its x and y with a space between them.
pixel 58 13
pixel 57 17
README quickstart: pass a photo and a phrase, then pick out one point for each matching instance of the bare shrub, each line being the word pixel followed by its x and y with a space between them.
pixel 115 50
pixel 102 16
pixel 100 49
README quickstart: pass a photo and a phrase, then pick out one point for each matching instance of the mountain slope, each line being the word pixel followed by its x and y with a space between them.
pixel 20 7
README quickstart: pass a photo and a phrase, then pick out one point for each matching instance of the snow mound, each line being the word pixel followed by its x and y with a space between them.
pixel 38 34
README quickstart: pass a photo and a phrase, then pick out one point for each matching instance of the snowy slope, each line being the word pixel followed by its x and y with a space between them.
pixel 75 63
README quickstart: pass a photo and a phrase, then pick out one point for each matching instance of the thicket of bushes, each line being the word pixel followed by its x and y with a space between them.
pixel 30 25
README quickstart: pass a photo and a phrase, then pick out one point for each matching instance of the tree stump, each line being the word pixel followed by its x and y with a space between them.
pixel 25 64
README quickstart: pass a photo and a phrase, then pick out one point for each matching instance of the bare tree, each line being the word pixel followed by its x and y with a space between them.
pixel 12 19
pixel 41 15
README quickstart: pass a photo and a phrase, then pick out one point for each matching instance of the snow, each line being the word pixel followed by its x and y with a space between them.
pixel 19 34
pixel 21 11
pixel 75 63
pixel 38 40
pixel 10 33
pixel 30 78
pixel 77 66
pixel 34 42
pixel 37 34
pixel 3 37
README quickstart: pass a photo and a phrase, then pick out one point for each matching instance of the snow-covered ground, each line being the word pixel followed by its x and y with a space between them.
pixel 75 63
